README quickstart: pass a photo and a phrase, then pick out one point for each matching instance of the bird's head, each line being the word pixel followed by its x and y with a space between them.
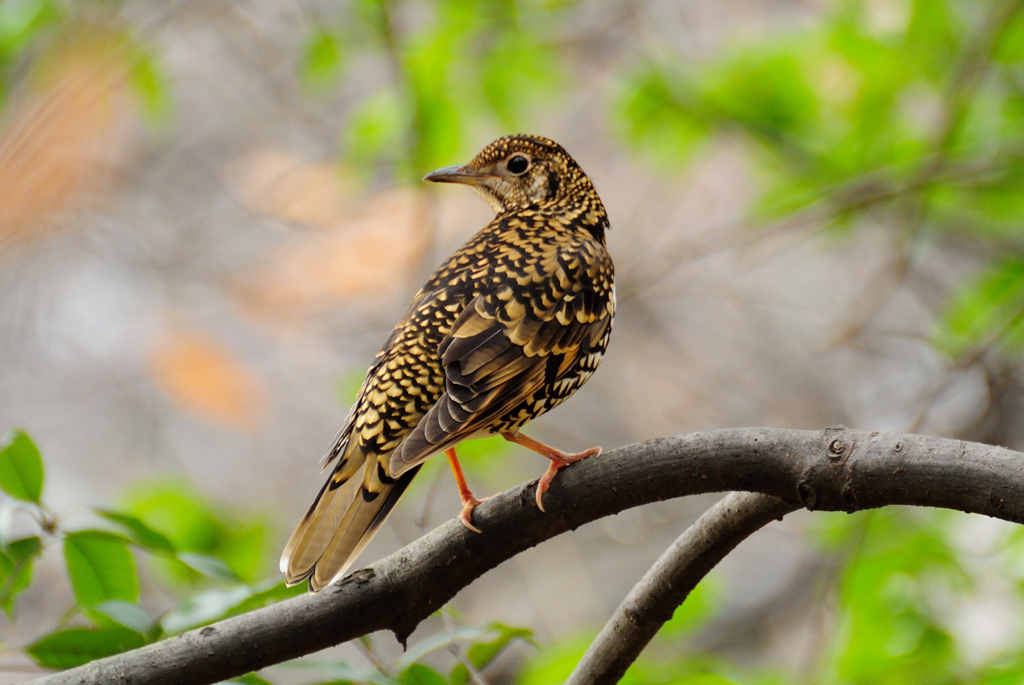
pixel 517 171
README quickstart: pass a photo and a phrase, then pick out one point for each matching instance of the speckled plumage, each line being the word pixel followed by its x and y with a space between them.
pixel 506 329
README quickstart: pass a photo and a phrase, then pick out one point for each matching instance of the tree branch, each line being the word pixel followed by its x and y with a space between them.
pixel 667 584
pixel 835 469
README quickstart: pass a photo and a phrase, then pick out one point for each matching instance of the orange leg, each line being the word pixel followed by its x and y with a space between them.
pixel 468 501
pixel 559 459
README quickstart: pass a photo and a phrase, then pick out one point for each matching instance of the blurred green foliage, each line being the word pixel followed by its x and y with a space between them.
pixel 200 532
pixel 989 307
pixel 890 631
pixel 918 118
pixel 902 576
pixel 471 62
pixel 895 578
pixel 216 561
pixel 149 84
pixel 21 24
pixel 28 29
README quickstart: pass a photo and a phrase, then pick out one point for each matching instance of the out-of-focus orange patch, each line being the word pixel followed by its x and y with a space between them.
pixel 281 183
pixel 203 377
pixel 362 259
pixel 64 133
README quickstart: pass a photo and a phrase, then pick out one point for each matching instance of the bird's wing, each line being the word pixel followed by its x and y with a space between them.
pixel 500 351
pixel 344 436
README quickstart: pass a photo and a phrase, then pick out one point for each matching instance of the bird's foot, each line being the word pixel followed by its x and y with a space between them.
pixel 469 502
pixel 558 463
pixel 466 515
pixel 559 459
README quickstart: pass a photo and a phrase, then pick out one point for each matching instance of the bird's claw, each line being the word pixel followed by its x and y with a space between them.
pixel 466 515
pixel 557 464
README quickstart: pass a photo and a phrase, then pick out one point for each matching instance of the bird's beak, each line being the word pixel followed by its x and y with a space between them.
pixel 458 174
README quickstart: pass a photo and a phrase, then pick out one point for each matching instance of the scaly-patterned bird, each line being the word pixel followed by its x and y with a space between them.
pixel 506 329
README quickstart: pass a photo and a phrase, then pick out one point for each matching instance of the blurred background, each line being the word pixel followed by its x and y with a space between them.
pixel 211 217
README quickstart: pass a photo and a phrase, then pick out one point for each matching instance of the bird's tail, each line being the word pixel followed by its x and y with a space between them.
pixel 340 523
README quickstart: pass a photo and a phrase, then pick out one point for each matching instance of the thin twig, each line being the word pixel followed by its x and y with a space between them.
pixel 963 86
pixel 455 649
pixel 864 192
pixel 365 645
pixel 879 291
pixel 674 575
pixel 963 363
pixel 829 636
pixel 428 504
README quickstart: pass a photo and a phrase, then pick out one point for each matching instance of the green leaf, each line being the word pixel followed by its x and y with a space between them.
pixel 24 548
pixel 786 194
pixel 21 467
pixel 16 562
pixel 480 654
pixel 250 679
pixel 209 566
pixel 124 614
pixel 989 306
pixel 321 61
pixel 375 131
pixel 555 663
pixel 150 86
pixel 203 607
pixel 1011 46
pixel 264 598
pixel 766 89
pixel 891 632
pixel 437 641
pixel 516 72
pixel 702 679
pixel 350 675
pixel 483 452
pixel 418 674
pixel 244 545
pixel 194 526
pixel 216 605
pixel 437 122
pixel 142 534
pixel 101 567
pixel 177 510
pixel 23 20
pixel 77 646
pixel 658 113
pixel 932 38
pixel 1005 670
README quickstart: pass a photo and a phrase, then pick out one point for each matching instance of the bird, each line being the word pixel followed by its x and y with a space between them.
pixel 506 329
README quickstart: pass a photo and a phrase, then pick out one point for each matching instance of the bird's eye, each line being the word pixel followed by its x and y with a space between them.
pixel 518 164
